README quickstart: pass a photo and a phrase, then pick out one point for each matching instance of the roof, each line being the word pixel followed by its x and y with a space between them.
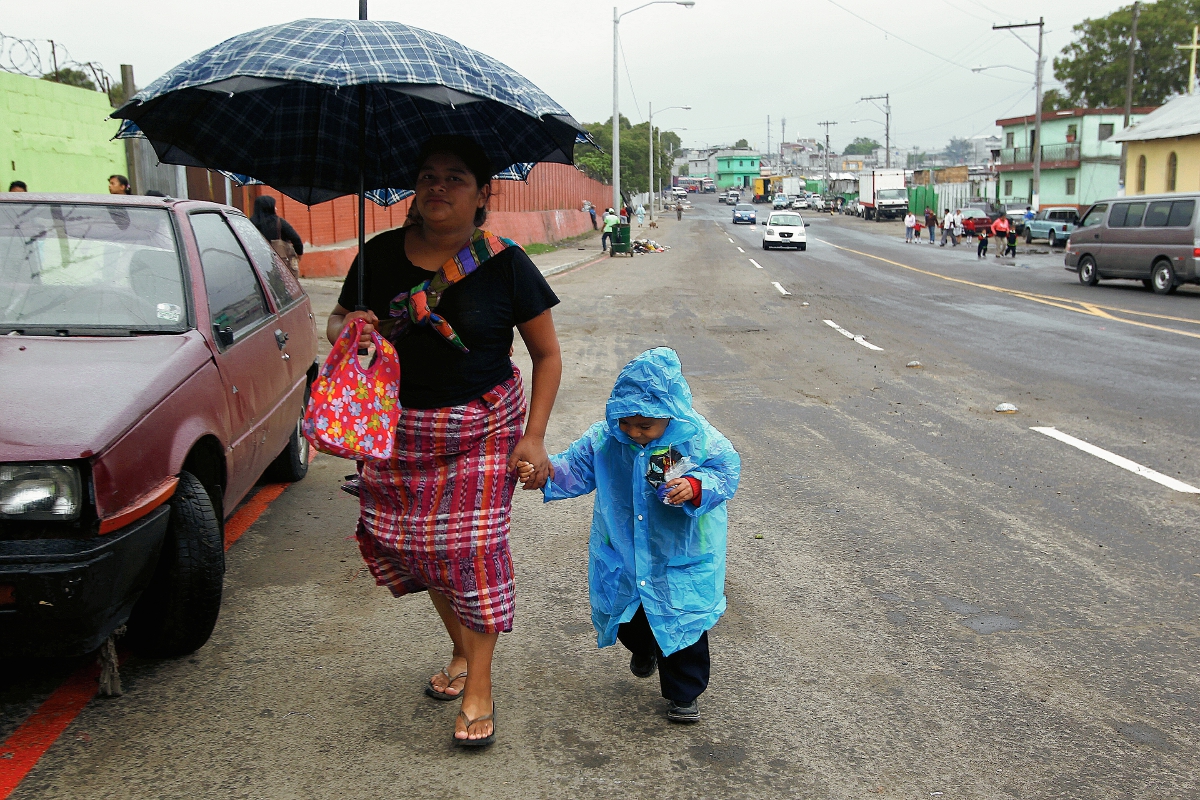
pixel 1073 112
pixel 1179 117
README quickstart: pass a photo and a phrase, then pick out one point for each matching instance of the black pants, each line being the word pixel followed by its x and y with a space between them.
pixel 605 238
pixel 683 675
pixel 982 249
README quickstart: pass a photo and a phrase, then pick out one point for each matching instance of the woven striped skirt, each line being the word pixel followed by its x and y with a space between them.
pixel 436 514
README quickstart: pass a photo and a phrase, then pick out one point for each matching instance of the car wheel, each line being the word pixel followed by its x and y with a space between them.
pixel 765 245
pixel 804 246
pixel 178 610
pixel 1163 277
pixel 1028 236
pixel 1149 284
pixel 292 464
pixel 1088 274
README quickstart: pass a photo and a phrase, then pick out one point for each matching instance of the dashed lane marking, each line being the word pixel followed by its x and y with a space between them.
pixel 782 290
pixel 730 240
pixel 1078 306
pixel 858 338
pixel 755 263
pixel 1120 461
pixel 740 250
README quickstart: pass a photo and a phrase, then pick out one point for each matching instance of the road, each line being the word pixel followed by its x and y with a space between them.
pixel 943 603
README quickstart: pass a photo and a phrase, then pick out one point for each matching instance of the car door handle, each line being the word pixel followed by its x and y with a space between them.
pixel 281 338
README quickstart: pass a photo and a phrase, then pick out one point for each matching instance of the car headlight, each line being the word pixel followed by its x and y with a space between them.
pixel 40 492
pixel 770 232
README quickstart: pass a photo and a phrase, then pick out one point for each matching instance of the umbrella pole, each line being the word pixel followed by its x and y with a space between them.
pixel 362 190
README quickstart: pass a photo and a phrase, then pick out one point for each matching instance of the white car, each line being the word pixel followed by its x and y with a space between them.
pixel 784 229
pixel 799 202
pixel 680 192
pixel 818 202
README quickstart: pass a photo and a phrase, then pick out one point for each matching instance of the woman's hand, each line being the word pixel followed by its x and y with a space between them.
pixel 536 469
pixel 681 493
pixel 341 317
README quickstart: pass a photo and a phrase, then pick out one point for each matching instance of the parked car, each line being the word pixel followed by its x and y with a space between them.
pixel 744 212
pixel 800 202
pixel 852 208
pixel 784 229
pixel 993 210
pixel 155 355
pixel 977 221
pixel 1151 238
pixel 1052 224
pixel 816 202
pixel 1016 216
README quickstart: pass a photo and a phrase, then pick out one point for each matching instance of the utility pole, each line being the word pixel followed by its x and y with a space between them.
pixel 827 124
pixel 1137 9
pixel 887 126
pixel 131 145
pixel 768 138
pixel 782 137
pixel 1037 110
pixel 616 122
pixel 1195 45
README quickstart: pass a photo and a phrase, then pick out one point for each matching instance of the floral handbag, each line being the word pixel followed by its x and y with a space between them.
pixel 352 412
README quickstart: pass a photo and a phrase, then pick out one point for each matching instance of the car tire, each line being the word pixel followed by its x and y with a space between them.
pixel 292 464
pixel 1149 284
pixel 178 610
pixel 1028 236
pixel 1088 274
pixel 1163 278
pixel 1052 239
pixel 765 246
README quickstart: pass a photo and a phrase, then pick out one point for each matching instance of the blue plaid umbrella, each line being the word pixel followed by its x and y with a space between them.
pixel 320 108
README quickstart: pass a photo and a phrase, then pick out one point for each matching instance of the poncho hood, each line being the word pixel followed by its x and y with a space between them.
pixel 652 385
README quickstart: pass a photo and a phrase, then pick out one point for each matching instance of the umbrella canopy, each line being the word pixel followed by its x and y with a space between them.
pixel 315 106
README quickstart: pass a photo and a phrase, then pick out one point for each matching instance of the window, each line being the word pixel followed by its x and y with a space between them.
pixel 282 285
pixel 1008 139
pixel 1070 186
pixel 1127 215
pixel 1008 184
pixel 1181 213
pixel 1072 132
pixel 1106 130
pixel 235 300
pixel 1141 175
pixel 1157 214
pixel 1172 167
pixel 1094 215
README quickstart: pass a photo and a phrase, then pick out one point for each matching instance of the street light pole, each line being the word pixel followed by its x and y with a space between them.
pixel 887 126
pixel 1037 111
pixel 650 136
pixel 616 117
pixel 827 124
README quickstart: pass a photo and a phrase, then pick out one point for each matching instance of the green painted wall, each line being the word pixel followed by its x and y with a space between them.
pixel 56 138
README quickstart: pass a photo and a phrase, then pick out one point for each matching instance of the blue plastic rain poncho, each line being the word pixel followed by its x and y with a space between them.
pixel 669 559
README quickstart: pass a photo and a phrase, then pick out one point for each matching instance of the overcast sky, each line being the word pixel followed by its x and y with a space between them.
pixel 733 61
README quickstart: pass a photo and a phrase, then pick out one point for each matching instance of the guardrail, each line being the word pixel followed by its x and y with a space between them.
pixel 1050 152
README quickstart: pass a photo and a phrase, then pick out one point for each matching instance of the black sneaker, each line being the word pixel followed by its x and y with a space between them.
pixel 683 714
pixel 643 669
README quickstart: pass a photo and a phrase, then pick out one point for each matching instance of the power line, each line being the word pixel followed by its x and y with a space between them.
pixel 886 32
pixel 629 78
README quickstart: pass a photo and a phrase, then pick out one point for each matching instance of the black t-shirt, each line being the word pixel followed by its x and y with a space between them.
pixel 507 290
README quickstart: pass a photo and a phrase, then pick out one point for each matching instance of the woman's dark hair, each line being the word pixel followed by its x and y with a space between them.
pixel 470 153
pixel 121 179
pixel 265 218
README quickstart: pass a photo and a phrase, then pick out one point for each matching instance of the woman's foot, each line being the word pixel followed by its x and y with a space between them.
pixel 476 723
pixel 450 682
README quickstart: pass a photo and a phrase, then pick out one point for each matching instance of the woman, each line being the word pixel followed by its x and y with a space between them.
pixel 277 230
pixel 436 515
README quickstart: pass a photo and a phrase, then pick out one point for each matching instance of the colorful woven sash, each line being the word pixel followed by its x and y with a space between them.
pixel 416 307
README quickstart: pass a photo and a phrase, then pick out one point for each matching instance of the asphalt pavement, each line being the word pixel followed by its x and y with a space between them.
pixel 944 602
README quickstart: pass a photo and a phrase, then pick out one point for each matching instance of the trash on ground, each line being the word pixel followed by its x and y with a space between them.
pixel 913 365
pixel 1006 408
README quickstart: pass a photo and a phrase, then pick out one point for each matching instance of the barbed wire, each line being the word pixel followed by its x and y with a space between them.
pixel 30 57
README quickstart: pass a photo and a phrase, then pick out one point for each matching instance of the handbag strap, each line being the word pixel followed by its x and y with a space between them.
pixel 416 306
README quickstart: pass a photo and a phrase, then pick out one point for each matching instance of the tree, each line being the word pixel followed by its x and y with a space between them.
pixel 915 160
pixel 635 154
pixel 861 147
pixel 959 151
pixel 741 143
pixel 1093 68
pixel 1054 100
pixel 71 77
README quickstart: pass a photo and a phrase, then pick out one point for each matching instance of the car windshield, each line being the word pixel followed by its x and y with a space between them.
pixel 743 207
pixel 89 269
pixel 785 220
pixel 893 194
pixel 1094 216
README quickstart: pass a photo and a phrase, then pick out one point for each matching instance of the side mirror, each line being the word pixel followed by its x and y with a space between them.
pixel 224 335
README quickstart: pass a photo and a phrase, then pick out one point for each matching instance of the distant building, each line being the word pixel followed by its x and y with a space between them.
pixel 702 163
pixel 737 167
pixel 983 146
pixel 1163 149
pixel 1081 162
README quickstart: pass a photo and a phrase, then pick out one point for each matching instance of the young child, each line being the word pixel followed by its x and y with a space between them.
pixel 981 249
pixel 1011 249
pixel 656 568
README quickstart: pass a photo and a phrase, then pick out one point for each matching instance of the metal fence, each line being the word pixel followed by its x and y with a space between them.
pixel 1050 152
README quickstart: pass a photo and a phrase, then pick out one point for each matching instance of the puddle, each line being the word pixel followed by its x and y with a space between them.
pixel 991 623
pixel 897 617
pixel 1142 734
pixel 958 606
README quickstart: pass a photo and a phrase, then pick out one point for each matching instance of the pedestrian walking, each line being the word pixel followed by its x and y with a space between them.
pixel 641 214
pixel 279 232
pixel 436 515
pixel 610 219
pixel 958 226
pixel 656 573
pixel 18 186
pixel 678 210
pixel 910 224
pixel 1011 249
pixel 981 248
pixel 930 223
pixel 948 228
pixel 1000 229
pixel 119 184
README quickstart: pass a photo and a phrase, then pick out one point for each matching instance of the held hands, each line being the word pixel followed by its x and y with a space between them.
pixel 680 491
pixel 531 462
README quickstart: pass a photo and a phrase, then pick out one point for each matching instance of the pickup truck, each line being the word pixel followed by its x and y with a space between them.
pixel 1052 224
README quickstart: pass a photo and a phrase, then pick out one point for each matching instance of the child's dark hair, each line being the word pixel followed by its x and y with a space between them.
pixel 121 179
pixel 470 153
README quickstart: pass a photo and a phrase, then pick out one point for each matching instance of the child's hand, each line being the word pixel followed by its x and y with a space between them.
pixel 681 493
pixel 531 452
pixel 525 473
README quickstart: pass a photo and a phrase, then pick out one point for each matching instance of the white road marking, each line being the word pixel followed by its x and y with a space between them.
pixel 859 338
pixel 782 290
pixel 740 250
pixel 1120 461
pixel 731 241
pixel 755 263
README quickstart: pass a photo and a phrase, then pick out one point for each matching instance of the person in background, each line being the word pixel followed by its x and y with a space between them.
pixel 1029 215
pixel 930 223
pixel 1000 228
pixel 610 219
pixel 591 210
pixel 958 226
pixel 641 214
pixel 910 224
pixel 948 228
pixel 18 186
pixel 119 184
pixel 275 229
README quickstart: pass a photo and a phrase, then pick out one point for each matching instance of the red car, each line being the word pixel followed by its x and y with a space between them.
pixel 976 222
pixel 155 354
